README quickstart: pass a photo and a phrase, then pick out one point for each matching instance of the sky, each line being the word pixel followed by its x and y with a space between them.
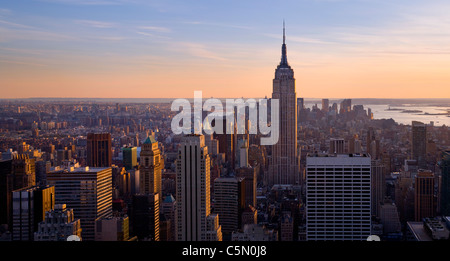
pixel 171 48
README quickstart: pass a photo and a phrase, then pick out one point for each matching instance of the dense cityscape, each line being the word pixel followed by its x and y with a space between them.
pixel 114 171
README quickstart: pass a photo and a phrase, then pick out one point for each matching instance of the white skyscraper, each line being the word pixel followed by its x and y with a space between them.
pixel 338 197
pixel 193 189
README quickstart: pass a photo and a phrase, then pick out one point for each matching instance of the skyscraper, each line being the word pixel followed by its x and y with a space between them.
pixel 59 223
pixel 444 164
pixel 151 164
pixel 325 105
pixel 99 152
pixel 378 186
pixel 338 197
pixel 88 191
pixel 424 201
pixel 419 143
pixel 28 209
pixel 284 167
pixel 229 202
pixel 129 157
pixel 193 189
pixel 145 216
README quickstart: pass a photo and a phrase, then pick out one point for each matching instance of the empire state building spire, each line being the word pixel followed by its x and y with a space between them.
pixel 283 49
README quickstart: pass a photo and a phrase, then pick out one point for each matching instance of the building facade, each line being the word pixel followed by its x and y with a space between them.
pixel 338 197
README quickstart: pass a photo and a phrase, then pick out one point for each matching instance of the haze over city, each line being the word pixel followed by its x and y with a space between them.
pixel 169 49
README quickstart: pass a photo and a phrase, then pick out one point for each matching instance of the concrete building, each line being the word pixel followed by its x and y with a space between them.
pixel 88 191
pixel 338 197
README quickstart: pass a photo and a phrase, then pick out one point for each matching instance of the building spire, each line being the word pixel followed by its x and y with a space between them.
pixel 283 48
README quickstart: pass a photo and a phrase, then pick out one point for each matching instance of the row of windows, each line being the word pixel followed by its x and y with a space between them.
pixel 337 169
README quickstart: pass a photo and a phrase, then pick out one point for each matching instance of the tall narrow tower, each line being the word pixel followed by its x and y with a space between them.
pixel 151 165
pixel 193 191
pixel 284 163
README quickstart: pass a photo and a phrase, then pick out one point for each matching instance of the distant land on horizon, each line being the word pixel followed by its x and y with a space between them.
pixel 373 101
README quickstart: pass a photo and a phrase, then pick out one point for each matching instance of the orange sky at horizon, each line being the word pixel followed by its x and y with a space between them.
pixel 381 78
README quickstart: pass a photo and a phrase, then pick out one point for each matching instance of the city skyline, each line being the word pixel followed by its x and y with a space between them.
pixel 141 49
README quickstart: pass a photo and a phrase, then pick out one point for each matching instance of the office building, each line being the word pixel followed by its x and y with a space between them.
pixel 29 206
pixel 145 211
pixel 424 199
pixel 169 210
pixel 58 225
pixel 325 105
pixel 88 191
pixel 283 167
pixel 129 155
pixel 151 165
pixel 229 202
pixel 378 186
pixel 444 165
pixel 338 197
pixel 99 153
pixel 250 178
pixel 193 189
pixel 389 217
pixel 337 146
pixel 419 144
pixel 112 229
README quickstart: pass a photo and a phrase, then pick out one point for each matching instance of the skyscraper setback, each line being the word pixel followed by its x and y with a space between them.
pixel 283 168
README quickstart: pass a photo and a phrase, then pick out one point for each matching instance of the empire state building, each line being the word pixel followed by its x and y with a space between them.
pixel 283 168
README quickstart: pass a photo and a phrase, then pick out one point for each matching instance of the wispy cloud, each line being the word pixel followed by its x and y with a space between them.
pixel 196 50
pixel 88 2
pixel 156 29
pixel 96 24
pixel 218 25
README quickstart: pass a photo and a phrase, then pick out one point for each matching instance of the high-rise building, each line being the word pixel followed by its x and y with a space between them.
pixel 88 191
pixel 169 210
pixel 424 200
pixel 419 143
pixel 151 165
pixel 42 167
pixel 338 202
pixel 213 228
pixel 325 105
pixel 229 202
pixel 129 155
pixel 337 146
pixel 389 217
pixel 6 175
pixel 250 179
pixel 227 139
pixel 444 165
pixel 283 168
pixel 193 189
pixel 28 209
pixel 378 186
pixel 112 229
pixel 58 225
pixel 99 153
pixel 286 228
pixel 24 171
pixel 145 216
